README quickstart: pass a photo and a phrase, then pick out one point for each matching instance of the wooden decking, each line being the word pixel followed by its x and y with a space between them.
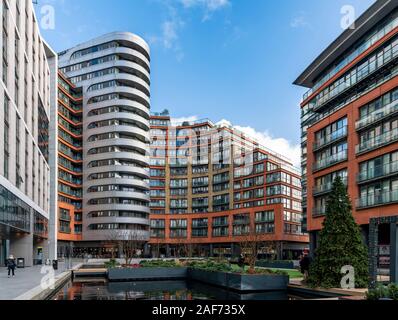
pixel 342 294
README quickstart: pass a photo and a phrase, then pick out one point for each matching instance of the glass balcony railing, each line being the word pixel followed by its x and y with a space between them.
pixel 355 53
pixel 319 211
pixel 360 73
pixel 378 172
pixel 378 141
pixel 63 229
pixel 220 223
pixel 377 199
pixel 334 136
pixel 331 160
pixel 65 217
pixel 387 110
pixel 326 187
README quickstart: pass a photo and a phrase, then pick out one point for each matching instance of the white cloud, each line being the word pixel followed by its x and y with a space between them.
pixel 211 5
pixel 176 121
pixel 169 32
pixel 299 21
pixel 278 145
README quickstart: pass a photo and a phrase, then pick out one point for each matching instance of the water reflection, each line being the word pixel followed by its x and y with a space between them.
pixel 100 289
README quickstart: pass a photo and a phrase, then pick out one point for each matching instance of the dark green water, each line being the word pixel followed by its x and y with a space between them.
pixel 100 289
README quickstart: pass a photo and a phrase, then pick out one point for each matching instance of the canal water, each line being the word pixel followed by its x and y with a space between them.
pixel 101 289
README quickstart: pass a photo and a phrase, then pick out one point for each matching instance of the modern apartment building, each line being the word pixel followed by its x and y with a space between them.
pixel 70 164
pixel 111 76
pixel 27 96
pixel 212 186
pixel 350 126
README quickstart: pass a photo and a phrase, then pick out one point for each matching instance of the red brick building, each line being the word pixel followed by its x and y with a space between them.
pixel 211 185
pixel 350 122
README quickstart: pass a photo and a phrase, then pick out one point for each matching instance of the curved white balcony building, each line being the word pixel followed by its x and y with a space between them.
pixel 114 73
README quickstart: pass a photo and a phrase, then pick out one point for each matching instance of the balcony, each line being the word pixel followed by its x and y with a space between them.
pixel 326 187
pixel 377 142
pixel 220 202
pixel 217 224
pixel 203 225
pixel 330 138
pixel 390 109
pixel 157 226
pixel 319 211
pixel 63 229
pixel 241 222
pixel 370 69
pixel 64 217
pixel 200 204
pixel 383 171
pixel 331 160
pixel 377 199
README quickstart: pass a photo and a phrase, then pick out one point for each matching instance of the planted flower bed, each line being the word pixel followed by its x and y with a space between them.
pixel 235 278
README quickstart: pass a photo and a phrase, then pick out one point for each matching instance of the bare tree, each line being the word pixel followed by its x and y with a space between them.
pixel 156 242
pixel 113 240
pixel 185 248
pixel 251 243
pixel 130 241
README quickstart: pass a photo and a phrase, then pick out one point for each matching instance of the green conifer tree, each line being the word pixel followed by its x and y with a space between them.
pixel 340 244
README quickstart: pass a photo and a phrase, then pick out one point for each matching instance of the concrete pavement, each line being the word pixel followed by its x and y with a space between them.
pixel 27 279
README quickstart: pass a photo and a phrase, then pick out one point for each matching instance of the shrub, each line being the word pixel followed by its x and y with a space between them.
pixel 112 263
pixel 213 266
pixel 159 264
pixel 383 292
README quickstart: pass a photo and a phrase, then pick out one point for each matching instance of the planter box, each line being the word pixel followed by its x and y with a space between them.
pixel 240 282
pixel 231 281
pixel 119 274
pixel 213 278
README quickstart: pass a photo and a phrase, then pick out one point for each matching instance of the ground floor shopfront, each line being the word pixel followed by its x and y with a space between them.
pixel 106 250
pixel 279 251
pixel 23 229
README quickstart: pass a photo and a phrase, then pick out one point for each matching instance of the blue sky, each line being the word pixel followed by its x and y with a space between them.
pixel 218 59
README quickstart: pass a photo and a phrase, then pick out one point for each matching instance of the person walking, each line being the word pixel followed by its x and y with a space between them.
pixel 305 265
pixel 11 265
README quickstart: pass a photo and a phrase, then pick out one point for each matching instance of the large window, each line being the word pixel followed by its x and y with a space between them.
pixel 6 137
pixel 43 126
pixel 13 211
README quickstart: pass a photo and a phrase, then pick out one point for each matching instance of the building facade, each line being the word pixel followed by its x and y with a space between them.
pixel 113 74
pixel 70 164
pixel 27 96
pixel 350 122
pixel 212 186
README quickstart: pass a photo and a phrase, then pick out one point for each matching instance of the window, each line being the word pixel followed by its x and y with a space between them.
pixel 18 178
pixel 6 137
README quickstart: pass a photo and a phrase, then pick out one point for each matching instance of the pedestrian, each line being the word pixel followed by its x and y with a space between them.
pixel 11 265
pixel 305 265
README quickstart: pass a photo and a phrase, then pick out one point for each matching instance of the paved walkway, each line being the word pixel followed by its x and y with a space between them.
pixel 26 279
